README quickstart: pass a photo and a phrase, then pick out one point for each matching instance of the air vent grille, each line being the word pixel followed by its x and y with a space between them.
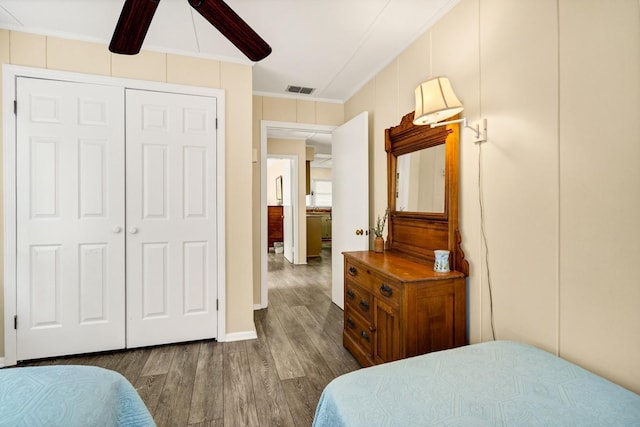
pixel 300 89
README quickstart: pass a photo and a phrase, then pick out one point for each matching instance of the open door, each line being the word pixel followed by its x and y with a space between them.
pixel 350 212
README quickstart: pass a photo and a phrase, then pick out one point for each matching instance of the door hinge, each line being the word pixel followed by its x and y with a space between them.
pixel 216 305
pixel 216 123
pixel 15 322
pixel 15 107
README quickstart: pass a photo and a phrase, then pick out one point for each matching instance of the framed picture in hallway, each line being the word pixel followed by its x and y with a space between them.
pixel 279 189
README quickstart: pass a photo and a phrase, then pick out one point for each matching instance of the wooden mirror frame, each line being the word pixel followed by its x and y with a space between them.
pixel 418 234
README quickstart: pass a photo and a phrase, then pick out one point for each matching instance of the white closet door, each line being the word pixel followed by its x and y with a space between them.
pixel 171 218
pixel 70 218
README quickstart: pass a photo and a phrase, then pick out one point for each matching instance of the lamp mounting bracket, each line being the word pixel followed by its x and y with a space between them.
pixel 479 127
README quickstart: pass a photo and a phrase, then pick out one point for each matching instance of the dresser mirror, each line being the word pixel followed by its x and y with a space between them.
pixel 422 182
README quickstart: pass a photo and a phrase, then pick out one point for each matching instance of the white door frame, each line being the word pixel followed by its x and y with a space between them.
pixel 9 75
pixel 265 126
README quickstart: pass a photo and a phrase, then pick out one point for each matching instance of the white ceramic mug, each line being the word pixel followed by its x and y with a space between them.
pixel 441 264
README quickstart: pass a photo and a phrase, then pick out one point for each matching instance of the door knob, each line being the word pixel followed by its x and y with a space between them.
pixel 359 232
pixel 133 230
pixel 116 229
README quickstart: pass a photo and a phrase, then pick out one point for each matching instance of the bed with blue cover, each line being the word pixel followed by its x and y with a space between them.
pixel 490 384
pixel 69 396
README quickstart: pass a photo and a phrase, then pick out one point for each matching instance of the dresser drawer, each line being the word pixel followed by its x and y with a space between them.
pixel 387 290
pixel 359 274
pixel 357 299
pixel 359 330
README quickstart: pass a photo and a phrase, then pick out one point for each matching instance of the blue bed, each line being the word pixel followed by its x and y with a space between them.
pixel 69 396
pixel 490 384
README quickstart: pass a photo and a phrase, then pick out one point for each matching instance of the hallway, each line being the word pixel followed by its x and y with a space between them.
pixel 303 329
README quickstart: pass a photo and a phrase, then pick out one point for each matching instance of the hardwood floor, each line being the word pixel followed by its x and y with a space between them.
pixel 275 380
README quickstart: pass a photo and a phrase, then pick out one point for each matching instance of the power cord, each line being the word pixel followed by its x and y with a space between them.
pixel 484 240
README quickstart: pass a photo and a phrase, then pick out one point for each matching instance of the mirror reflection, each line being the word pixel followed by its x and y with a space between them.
pixel 420 180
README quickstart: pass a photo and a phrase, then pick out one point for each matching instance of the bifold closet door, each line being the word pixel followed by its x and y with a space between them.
pixel 171 218
pixel 70 218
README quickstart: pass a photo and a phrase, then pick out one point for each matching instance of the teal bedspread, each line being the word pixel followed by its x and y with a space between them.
pixel 490 384
pixel 69 396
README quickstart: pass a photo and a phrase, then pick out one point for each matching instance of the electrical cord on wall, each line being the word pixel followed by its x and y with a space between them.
pixel 484 240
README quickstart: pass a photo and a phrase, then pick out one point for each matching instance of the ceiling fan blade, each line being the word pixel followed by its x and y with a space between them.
pixel 132 26
pixel 221 16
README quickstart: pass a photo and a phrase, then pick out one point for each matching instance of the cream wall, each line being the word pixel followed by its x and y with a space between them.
pixel 282 110
pixel 599 215
pixel 558 81
pixel 60 54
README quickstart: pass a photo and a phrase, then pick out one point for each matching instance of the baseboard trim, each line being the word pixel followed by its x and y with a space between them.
pixel 241 336
pixel 258 307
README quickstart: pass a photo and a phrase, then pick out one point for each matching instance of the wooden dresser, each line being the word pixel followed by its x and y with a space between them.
pixel 395 304
pixel 396 307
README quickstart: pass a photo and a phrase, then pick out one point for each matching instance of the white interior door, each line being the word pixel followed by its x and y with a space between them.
pixel 288 227
pixel 350 211
pixel 171 209
pixel 70 218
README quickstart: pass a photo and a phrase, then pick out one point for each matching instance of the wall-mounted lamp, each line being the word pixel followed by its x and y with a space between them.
pixel 435 101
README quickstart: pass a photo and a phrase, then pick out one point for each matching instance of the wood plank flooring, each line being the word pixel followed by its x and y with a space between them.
pixel 275 380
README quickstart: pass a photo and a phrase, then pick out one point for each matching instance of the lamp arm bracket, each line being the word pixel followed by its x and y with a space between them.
pixel 479 127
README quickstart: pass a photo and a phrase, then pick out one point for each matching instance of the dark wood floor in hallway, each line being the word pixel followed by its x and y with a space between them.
pixel 275 380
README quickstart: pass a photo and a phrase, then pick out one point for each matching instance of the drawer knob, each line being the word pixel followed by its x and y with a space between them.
pixel 364 305
pixel 353 271
pixel 365 335
pixel 372 328
pixel 350 294
pixel 386 290
pixel 351 323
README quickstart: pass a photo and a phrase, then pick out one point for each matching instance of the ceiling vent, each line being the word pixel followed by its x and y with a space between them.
pixel 300 89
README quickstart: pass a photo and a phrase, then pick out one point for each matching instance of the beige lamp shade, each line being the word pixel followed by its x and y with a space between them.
pixel 435 101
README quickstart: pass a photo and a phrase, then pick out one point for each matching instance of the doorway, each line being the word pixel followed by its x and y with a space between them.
pixel 282 196
pixel 277 129
pixel 350 205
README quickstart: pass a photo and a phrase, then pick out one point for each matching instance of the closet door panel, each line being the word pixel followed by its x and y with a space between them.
pixel 154 280
pixel 154 180
pixel 194 183
pixel 92 171
pixel 70 214
pixel 171 292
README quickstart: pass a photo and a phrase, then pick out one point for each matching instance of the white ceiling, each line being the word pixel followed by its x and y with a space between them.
pixel 335 46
